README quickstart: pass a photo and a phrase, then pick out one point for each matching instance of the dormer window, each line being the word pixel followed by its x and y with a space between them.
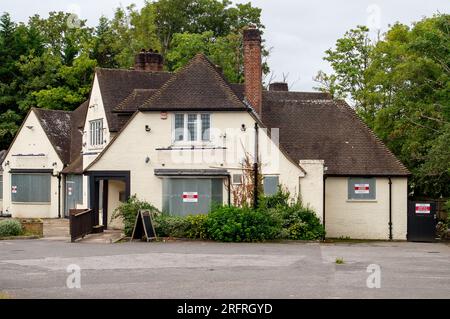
pixel 192 127
pixel 96 132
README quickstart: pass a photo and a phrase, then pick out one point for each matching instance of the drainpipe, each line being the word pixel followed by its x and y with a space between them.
pixel 255 169
pixel 390 208
pixel 323 205
pixel 59 195
pixel 229 190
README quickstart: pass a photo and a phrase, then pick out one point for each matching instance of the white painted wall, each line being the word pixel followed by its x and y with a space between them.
pixel 366 219
pixel 114 188
pixel 131 148
pixel 31 141
pixel 95 111
pixel 311 185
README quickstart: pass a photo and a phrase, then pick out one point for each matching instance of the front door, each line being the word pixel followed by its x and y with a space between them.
pixel 74 192
pixel 422 221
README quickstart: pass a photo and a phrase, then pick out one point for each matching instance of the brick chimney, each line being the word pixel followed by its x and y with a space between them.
pixel 149 61
pixel 253 68
pixel 279 86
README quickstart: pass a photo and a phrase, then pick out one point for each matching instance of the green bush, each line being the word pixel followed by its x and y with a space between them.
pixel 170 226
pixel 10 227
pixel 298 222
pixel 233 224
pixel 128 211
pixel 197 227
pixel 192 226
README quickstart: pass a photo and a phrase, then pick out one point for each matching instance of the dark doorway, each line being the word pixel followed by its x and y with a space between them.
pixel 99 188
pixel 422 221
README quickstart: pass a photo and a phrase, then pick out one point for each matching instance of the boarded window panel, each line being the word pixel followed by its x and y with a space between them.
pixel 30 188
pixel 1 187
pixel 207 191
pixel 192 127
pixel 206 127
pixel 179 127
pixel 237 179
pixel 271 185
pixel 362 188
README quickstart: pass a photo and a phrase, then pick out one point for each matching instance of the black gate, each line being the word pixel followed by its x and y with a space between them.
pixel 422 221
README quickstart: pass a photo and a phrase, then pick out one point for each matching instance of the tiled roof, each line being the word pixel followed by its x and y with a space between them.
pixel 2 157
pixel 64 130
pixel 57 126
pixel 116 85
pixel 136 98
pixel 197 86
pixel 323 129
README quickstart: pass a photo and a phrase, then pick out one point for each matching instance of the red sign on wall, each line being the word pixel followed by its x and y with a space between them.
pixel 423 208
pixel 14 189
pixel 362 189
pixel 190 197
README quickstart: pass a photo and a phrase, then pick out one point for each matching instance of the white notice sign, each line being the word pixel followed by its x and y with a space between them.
pixel 362 189
pixel 190 197
pixel 423 208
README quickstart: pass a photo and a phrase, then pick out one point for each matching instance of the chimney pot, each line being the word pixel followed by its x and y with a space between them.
pixel 150 61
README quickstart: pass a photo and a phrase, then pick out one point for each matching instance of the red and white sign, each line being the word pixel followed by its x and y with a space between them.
pixel 362 189
pixel 190 197
pixel 423 208
pixel 14 189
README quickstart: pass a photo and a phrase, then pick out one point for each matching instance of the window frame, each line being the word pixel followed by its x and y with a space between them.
pixel 199 129
pixel 371 181
pixel 241 179
pixel 93 138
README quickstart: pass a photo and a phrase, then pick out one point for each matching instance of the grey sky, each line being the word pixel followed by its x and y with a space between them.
pixel 297 31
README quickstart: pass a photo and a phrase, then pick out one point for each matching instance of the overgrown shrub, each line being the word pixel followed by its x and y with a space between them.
pixel 10 227
pixel 128 211
pixel 197 227
pixel 298 222
pixel 170 226
pixel 233 224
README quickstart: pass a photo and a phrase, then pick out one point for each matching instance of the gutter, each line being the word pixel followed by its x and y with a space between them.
pixel 255 168
pixel 390 208
pixel 323 205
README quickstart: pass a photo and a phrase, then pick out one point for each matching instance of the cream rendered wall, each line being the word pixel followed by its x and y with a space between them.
pixel 32 141
pixel 131 148
pixel 114 188
pixel 366 219
pixel 311 186
pixel 95 111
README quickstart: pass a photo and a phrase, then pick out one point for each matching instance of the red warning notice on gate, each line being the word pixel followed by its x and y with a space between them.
pixel 190 197
pixel 362 189
pixel 423 208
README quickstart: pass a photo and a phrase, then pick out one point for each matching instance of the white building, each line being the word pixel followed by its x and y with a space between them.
pixel 179 141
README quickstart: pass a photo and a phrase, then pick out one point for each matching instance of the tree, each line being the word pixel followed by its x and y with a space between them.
pixel 400 88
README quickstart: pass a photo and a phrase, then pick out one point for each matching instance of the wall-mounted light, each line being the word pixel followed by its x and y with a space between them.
pixel 7 163
pixel 147 128
pixel 243 128
pixel 147 160
pixel 30 127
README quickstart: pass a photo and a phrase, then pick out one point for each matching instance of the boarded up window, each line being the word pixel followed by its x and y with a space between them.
pixel 30 188
pixel 191 196
pixel 362 188
pixel 237 179
pixel 271 185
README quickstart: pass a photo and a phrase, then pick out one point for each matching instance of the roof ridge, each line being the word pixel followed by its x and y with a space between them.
pixel 132 70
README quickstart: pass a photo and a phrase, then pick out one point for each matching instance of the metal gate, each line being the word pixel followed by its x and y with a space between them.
pixel 422 221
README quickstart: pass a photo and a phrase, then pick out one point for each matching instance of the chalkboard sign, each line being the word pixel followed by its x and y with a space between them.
pixel 144 228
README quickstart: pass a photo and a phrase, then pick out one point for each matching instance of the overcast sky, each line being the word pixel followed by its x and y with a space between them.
pixel 297 31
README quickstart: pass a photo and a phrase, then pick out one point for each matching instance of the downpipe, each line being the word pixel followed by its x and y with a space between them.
pixel 390 208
